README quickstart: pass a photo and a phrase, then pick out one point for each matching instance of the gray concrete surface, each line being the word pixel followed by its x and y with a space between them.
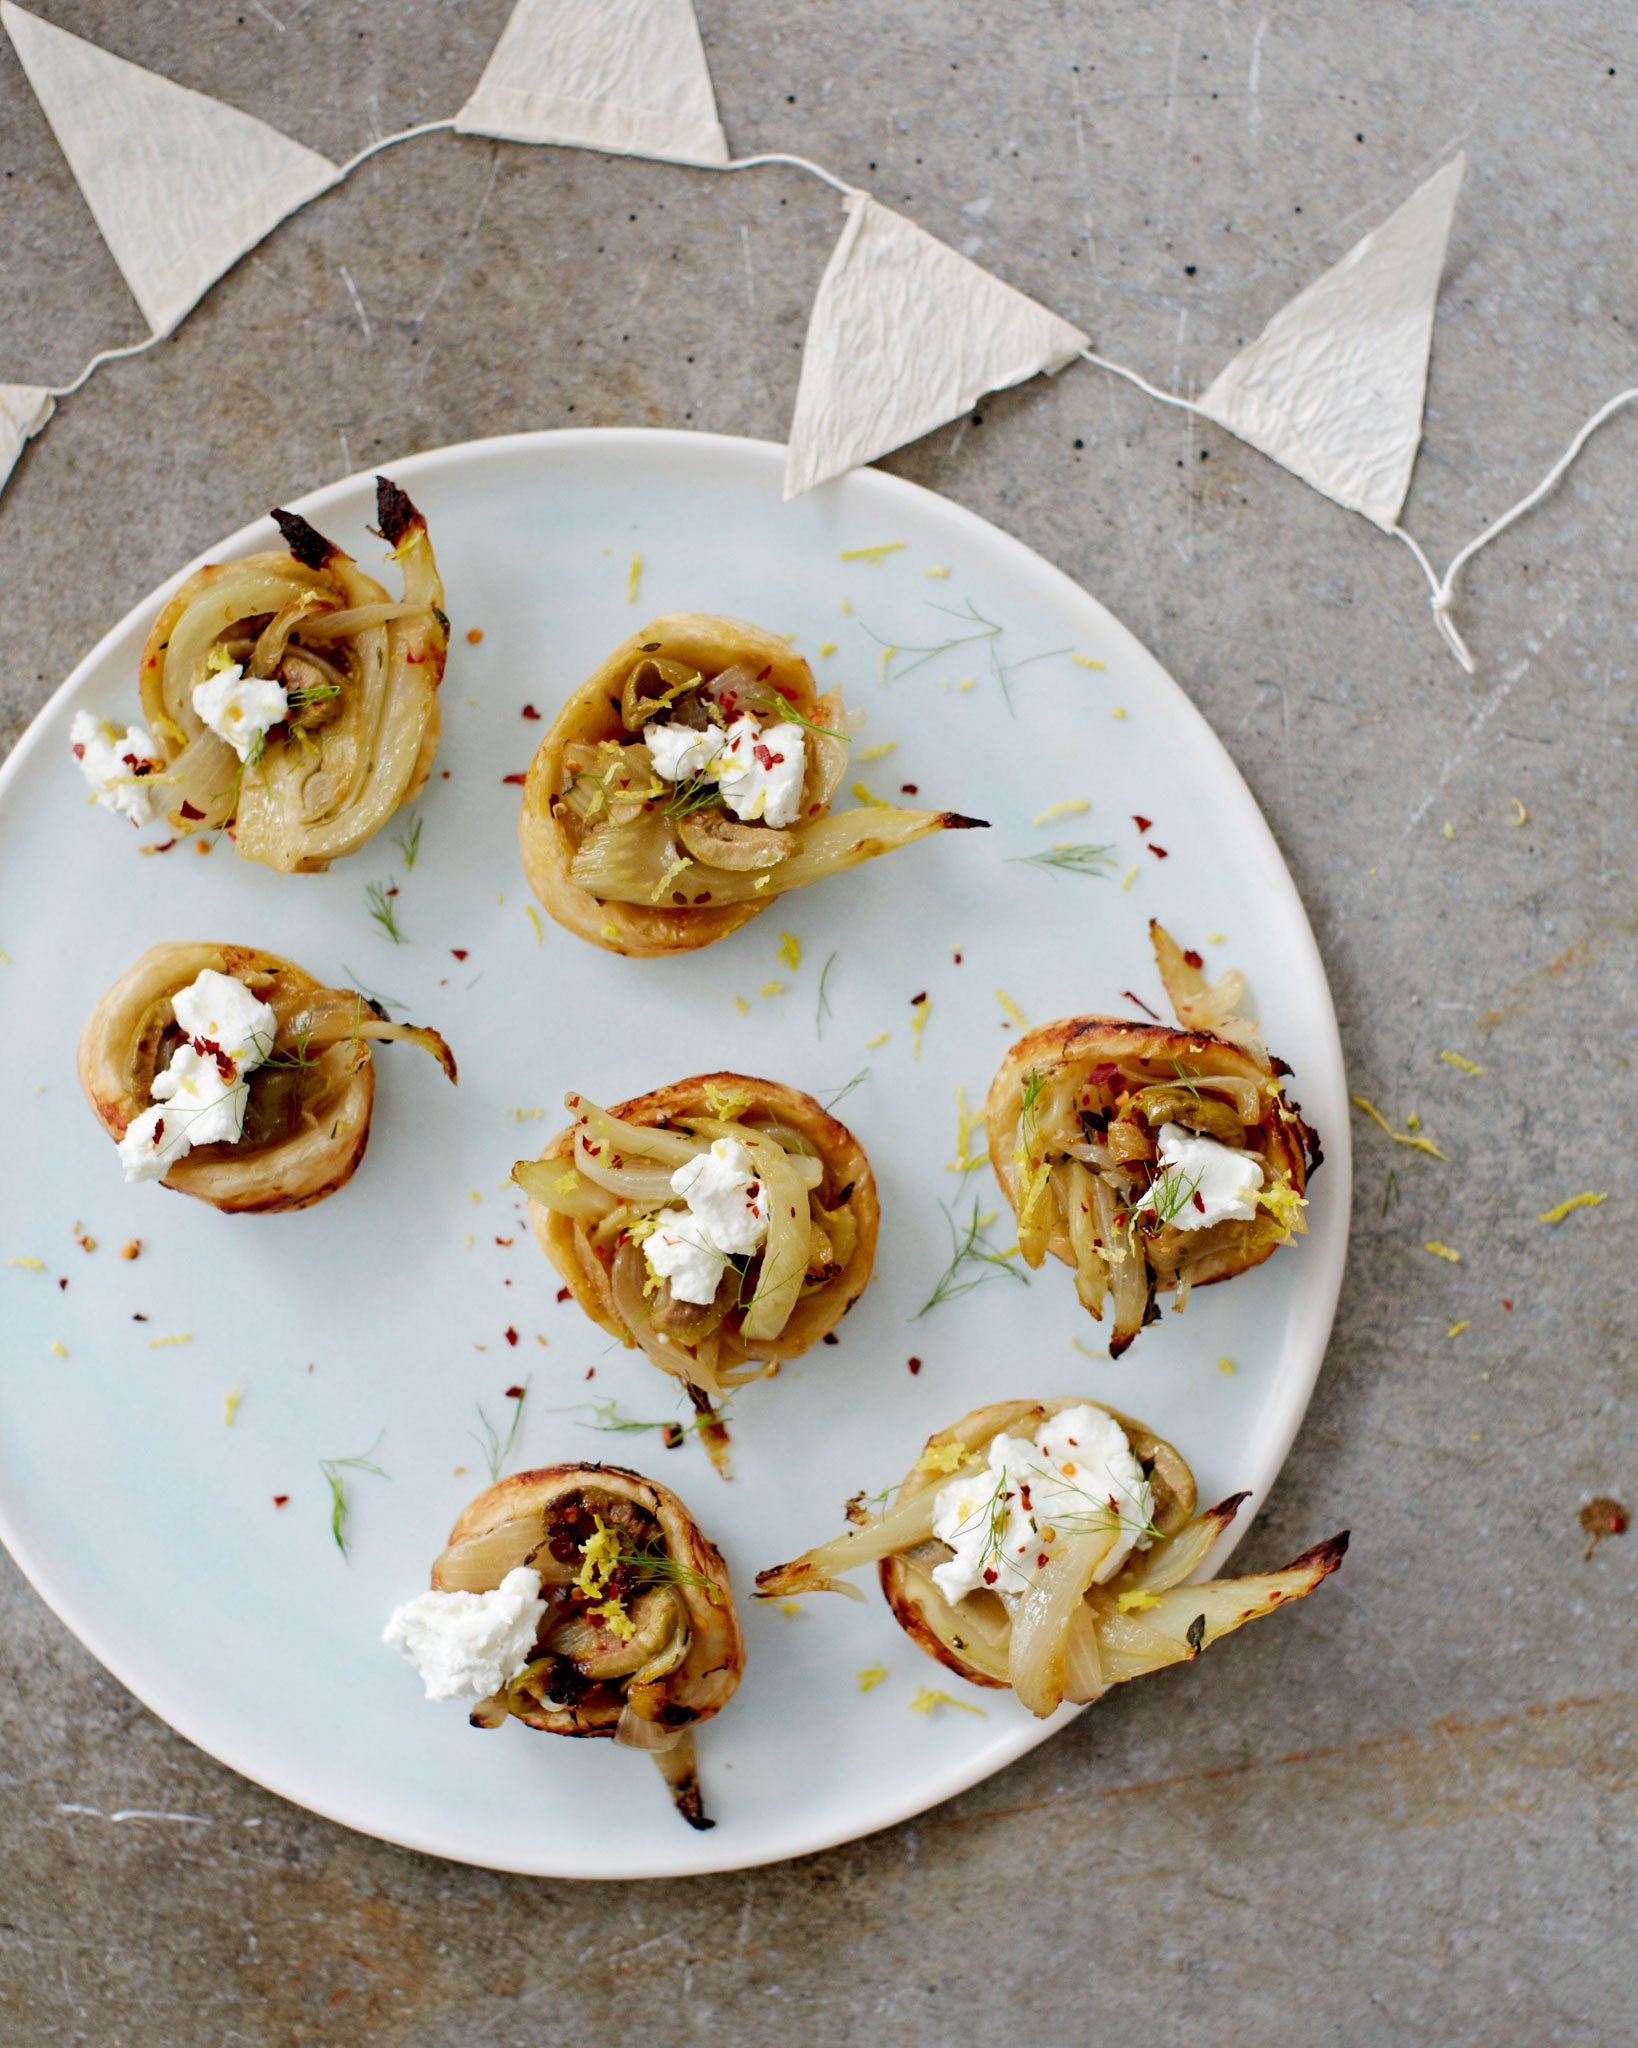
pixel 1409 1819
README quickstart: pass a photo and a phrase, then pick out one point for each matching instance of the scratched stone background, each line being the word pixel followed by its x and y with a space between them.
pixel 1406 1815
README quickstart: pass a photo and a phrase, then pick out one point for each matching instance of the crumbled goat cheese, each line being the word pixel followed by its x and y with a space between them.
pixel 468 1645
pixel 1221 1182
pixel 200 1098
pixel 758 768
pixel 239 708
pixel 727 1215
pixel 118 766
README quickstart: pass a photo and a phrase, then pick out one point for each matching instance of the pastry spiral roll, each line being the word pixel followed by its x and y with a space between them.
pixel 638 1637
pixel 723 1223
pixel 1042 1546
pixel 323 689
pixel 1150 1159
pixel 687 783
pixel 277 1116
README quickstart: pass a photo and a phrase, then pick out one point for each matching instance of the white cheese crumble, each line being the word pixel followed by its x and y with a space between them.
pixel 118 766
pixel 758 768
pixel 1078 1476
pixel 468 1645
pixel 239 708
pixel 200 1098
pixel 727 1214
pixel 1202 1182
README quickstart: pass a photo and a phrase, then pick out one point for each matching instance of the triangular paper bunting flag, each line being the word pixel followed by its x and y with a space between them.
pixel 905 335
pixel 628 76
pixel 1333 386
pixel 180 185
pixel 24 410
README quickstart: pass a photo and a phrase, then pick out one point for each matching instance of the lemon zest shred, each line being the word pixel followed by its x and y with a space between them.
pixel 599 1555
pixel 1442 1251
pixel 1217 938
pixel 918 1024
pixel 879 753
pixel 611 931
pixel 742 1006
pixel 965 1159
pixel 634 576
pixel 1136 1601
pixel 472 1195
pixel 1118 712
pixel 864 796
pixel 876 555
pixel 1455 1059
pixel 1405 1137
pixel 540 930
pixel 1523 817
pixel 672 870
pixel 871 1044
pixel 970 684
pixel 159 1343
pixel 827 646
pixel 871 1676
pixel 1131 877
pixel 942 1458
pixel 230 1405
pixel 612 1614
pixel 29 1265
pixel 1012 1009
pixel 771 989
pixel 790 1607
pixel 1085 661
pixel 1557 1215
pixel 1450 830
pixel 1063 810
pixel 1456 1329
pixel 847 606
pixel 887 655
pixel 939 573
pixel 727 1103
pixel 926 1699
pixel 1284 1204
pixel 527 1116
pixel 790 950
pixel 1226 1365
pixel 58 1349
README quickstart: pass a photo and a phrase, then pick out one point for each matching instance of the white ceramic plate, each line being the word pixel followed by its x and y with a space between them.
pixel 379 1319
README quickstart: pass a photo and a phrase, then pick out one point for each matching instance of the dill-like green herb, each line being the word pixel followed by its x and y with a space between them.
pixel 1390 1193
pixel 1034 1082
pixel 611 1420
pixel 971 1246
pixel 1172 1195
pixel 314 693
pixel 1069 859
pixel 822 1009
pixel 1186 1083
pixel 380 902
pixel 989 633
pixel 410 842
pixel 659 1568
pixel 333 1468
pixel 692 795
pixel 842 1093
pixel 497 1448
pixel 363 988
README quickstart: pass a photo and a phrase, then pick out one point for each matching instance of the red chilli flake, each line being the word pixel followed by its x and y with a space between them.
pixel 281 1500
pixel 63 1283
pixel 79 751
pixel 519 779
pixel 1142 1005
pixel 915 1366
pixel 515 1393
pixel 459 952
pixel 1142 824
pixel 1200 1205
pixel 191 810
pixel 511 1334
pixel 1159 852
pixel 591 1371
pixel 563 1294
pixel 918 999
pixel 1193 959
pixel 990 1575
pixel 503 1240
pixel 909 789
pixel 529 711
pixel 1506 1304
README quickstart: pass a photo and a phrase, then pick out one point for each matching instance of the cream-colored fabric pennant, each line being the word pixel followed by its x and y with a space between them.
pixel 180 185
pixel 905 335
pixel 1333 387
pixel 627 76
pixel 24 410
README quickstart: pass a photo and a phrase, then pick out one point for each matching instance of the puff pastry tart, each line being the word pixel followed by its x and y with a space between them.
pixel 688 782
pixel 582 1600
pixel 723 1224
pixel 233 1075
pixel 1042 1546
pixel 1150 1159
pixel 292 699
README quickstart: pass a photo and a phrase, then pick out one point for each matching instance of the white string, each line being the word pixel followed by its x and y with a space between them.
pixel 343 172
pixel 800 163
pixel 1132 377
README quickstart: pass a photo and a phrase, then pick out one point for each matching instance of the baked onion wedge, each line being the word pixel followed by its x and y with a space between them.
pixel 1069 1631
pixel 596 1191
pixel 360 670
pixel 640 1640
pixel 649 864
pixel 1085 1114
pixel 308 1106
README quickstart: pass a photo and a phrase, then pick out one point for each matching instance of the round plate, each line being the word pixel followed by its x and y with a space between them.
pixel 197 1560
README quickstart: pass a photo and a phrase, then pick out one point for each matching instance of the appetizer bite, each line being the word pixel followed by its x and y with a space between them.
pixel 722 1223
pixel 1151 1160
pixel 287 698
pixel 688 782
pixel 1042 1546
pixel 232 1075
pixel 582 1600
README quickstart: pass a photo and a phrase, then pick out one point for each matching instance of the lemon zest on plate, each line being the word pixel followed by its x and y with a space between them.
pixel 1442 1251
pixel 1405 1137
